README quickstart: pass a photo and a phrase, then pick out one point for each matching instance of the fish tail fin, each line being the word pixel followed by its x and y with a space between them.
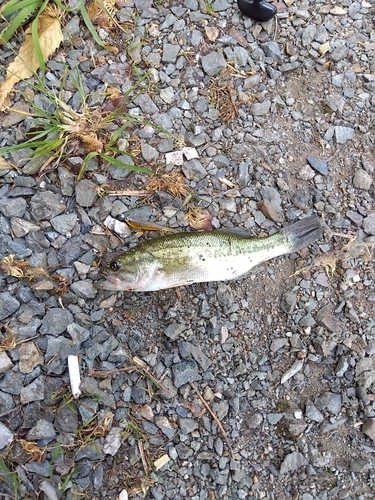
pixel 303 233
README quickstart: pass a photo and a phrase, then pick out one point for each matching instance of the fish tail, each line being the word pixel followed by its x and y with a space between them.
pixel 303 233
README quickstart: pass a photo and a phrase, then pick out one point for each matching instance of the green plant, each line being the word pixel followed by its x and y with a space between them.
pixel 20 11
pixel 68 477
pixel 283 406
pixel 55 453
pixel 10 478
pixel 134 430
pixel 208 5
pixel 54 130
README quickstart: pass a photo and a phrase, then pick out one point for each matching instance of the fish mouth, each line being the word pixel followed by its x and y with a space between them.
pixel 116 284
pixel 110 283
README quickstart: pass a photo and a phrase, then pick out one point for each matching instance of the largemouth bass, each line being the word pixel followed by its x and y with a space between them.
pixel 185 258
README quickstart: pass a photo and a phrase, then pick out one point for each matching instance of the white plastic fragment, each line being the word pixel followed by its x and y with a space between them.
pixel 174 158
pixel 296 367
pixel 74 376
pixel 161 461
pixel 177 157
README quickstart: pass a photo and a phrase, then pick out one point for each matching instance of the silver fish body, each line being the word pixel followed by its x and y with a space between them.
pixel 185 258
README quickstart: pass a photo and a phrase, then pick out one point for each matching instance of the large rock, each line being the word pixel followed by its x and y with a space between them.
pixel 8 305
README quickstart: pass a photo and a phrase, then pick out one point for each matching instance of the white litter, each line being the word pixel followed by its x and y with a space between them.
pixel 74 376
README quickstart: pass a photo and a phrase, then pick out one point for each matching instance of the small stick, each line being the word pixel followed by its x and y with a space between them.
pixel 333 155
pixel 140 366
pixel 214 417
pixel 127 192
pixel 142 453
pixel 10 411
pixel 226 182
pixel 347 236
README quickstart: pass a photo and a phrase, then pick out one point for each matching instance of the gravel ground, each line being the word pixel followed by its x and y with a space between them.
pixel 265 385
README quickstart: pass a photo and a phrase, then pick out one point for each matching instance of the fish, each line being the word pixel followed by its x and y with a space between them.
pixel 185 258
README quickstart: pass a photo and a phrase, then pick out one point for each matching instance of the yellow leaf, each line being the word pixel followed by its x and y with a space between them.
pixel 26 63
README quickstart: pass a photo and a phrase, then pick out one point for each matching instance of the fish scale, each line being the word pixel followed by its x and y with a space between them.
pixel 210 256
pixel 184 258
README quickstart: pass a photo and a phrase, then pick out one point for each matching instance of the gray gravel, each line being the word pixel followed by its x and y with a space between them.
pixel 284 360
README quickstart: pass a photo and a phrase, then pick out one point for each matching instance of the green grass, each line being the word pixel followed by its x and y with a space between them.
pixel 10 478
pixel 55 125
pixel 18 12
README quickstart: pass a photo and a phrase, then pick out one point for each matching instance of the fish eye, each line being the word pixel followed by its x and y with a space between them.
pixel 115 265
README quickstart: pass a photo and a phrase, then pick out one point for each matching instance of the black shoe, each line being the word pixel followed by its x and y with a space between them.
pixel 260 10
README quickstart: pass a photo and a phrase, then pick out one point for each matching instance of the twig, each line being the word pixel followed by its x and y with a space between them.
pixel 142 453
pixel 333 155
pixel 127 192
pixel 214 417
pixel 10 411
pixel 142 365
pixel 227 182
pixel 276 27
pixel 139 365
pixel 105 373
pixel 347 236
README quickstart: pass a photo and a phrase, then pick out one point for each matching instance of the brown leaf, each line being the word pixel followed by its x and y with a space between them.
pixel 100 13
pixel 91 143
pixel 26 63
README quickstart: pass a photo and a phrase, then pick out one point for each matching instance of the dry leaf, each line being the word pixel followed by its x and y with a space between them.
pixel 113 92
pixel 32 449
pixel 101 13
pixel 26 63
pixel 4 165
pixel 20 268
pixel 173 181
pixel 119 104
pixel 91 143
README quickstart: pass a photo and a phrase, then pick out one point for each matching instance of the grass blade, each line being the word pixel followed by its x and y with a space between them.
pixel 15 5
pixel 84 164
pixel 17 21
pixel 37 48
pixel 127 166
pixel 9 477
pixel 90 26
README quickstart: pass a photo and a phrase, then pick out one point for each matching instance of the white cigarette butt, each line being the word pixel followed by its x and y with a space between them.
pixel 74 376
